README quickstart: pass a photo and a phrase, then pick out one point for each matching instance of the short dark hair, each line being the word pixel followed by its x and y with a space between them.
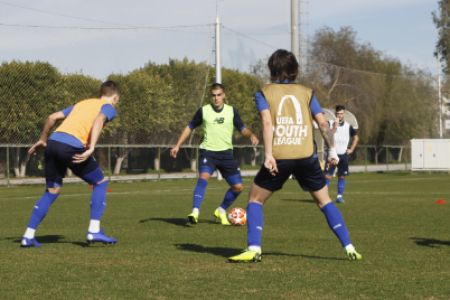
pixel 339 107
pixel 217 86
pixel 109 88
pixel 283 66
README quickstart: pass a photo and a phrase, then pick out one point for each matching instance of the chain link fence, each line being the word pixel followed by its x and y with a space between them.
pixel 153 162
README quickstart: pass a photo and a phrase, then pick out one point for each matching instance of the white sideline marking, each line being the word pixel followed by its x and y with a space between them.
pixel 149 191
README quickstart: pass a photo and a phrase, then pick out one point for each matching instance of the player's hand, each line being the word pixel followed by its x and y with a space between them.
pixel 271 165
pixel 79 158
pixel 333 158
pixel 349 151
pixel 336 123
pixel 36 146
pixel 174 151
pixel 254 139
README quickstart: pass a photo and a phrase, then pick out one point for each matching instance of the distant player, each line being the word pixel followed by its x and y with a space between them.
pixel 216 150
pixel 71 146
pixel 287 112
pixel 343 133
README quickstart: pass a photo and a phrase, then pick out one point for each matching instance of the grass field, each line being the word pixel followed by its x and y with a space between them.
pixel 393 220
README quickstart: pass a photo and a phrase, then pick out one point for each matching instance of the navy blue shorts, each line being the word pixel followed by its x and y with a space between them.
pixel 223 161
pixel 58 158
pixel 307 172
pixel 342 166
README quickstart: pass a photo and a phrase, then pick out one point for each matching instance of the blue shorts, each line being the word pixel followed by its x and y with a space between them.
pixel 342 166
pixel 58 158
pixel 307 172
pixel 223 161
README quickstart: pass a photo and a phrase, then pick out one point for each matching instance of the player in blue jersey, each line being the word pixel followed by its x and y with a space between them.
pixel 216 150
pixel 71 146
pixel 287 111
pixel 343 133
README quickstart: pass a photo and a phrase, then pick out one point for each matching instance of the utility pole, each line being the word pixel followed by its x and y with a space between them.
pixel 218 63
pixel 295 46
pixel 440 101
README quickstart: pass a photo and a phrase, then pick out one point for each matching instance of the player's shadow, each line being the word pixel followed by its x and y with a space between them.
pixel 227 252
pixel 432 243
pixel 182 222
pixel 49 239
pixel 308 201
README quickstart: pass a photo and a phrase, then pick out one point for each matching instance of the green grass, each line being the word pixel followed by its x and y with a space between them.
pixel 393 220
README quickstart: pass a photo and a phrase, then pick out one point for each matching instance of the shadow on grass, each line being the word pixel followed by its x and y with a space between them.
pixel 427 242
pixel 311 201
pixel 49 239
pixel 182 222
pixel 227 252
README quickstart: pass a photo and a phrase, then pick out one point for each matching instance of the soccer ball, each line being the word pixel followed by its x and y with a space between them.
pixel 237 216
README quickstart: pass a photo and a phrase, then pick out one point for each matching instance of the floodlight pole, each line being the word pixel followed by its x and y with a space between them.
pixel 295 46
pixel 440 101
pixel 218 63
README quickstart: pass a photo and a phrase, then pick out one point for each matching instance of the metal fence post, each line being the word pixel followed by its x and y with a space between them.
pixel 365 159
pixel 196 154
pixel 7 166
pixel 159 161
pixel 387 158
pixel 109 162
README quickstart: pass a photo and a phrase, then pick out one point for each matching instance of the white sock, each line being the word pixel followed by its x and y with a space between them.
pixel 350 248
pixel 255 248
pixel 94 226
pixel 221 210
pixel 196 211
pixel 29 233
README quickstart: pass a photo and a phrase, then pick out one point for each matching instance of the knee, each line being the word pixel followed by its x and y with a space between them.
pixel 341 177
pixel 54 190
pixel 104 181
pixel 327 176
pixel 237 188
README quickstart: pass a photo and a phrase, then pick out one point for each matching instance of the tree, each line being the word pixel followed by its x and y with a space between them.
pixel 28 93
pixel 441 19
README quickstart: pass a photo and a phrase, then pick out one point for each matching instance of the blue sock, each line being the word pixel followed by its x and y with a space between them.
pixel 199 192
pixel 229 198
pixel 255 222
pixel 336 223
pixel 340 186
pixel 41 208
pixel 328 181
pixel 98 200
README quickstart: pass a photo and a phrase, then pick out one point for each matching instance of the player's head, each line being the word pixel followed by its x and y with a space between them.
pixel 283 66
pixel 217 94
pixel 340 112
pixel 110 90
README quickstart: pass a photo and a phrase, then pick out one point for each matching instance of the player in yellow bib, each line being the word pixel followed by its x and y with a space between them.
pixel 287 111
pixel 216 150
pixel 71 146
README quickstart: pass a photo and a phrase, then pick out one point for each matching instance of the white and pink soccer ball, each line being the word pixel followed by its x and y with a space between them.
pixel 237 216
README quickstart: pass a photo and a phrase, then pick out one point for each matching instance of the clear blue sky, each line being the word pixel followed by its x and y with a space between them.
pixel 399 28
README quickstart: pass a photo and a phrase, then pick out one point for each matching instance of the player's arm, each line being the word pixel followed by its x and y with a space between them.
pixel 96 130
pixel 325 130
pixel 49 123
pixel 267 127
pixel 239 125
pixel 355 140
pixel 269 162
pixel 328 137
pixel 196 121
pixel 183 136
